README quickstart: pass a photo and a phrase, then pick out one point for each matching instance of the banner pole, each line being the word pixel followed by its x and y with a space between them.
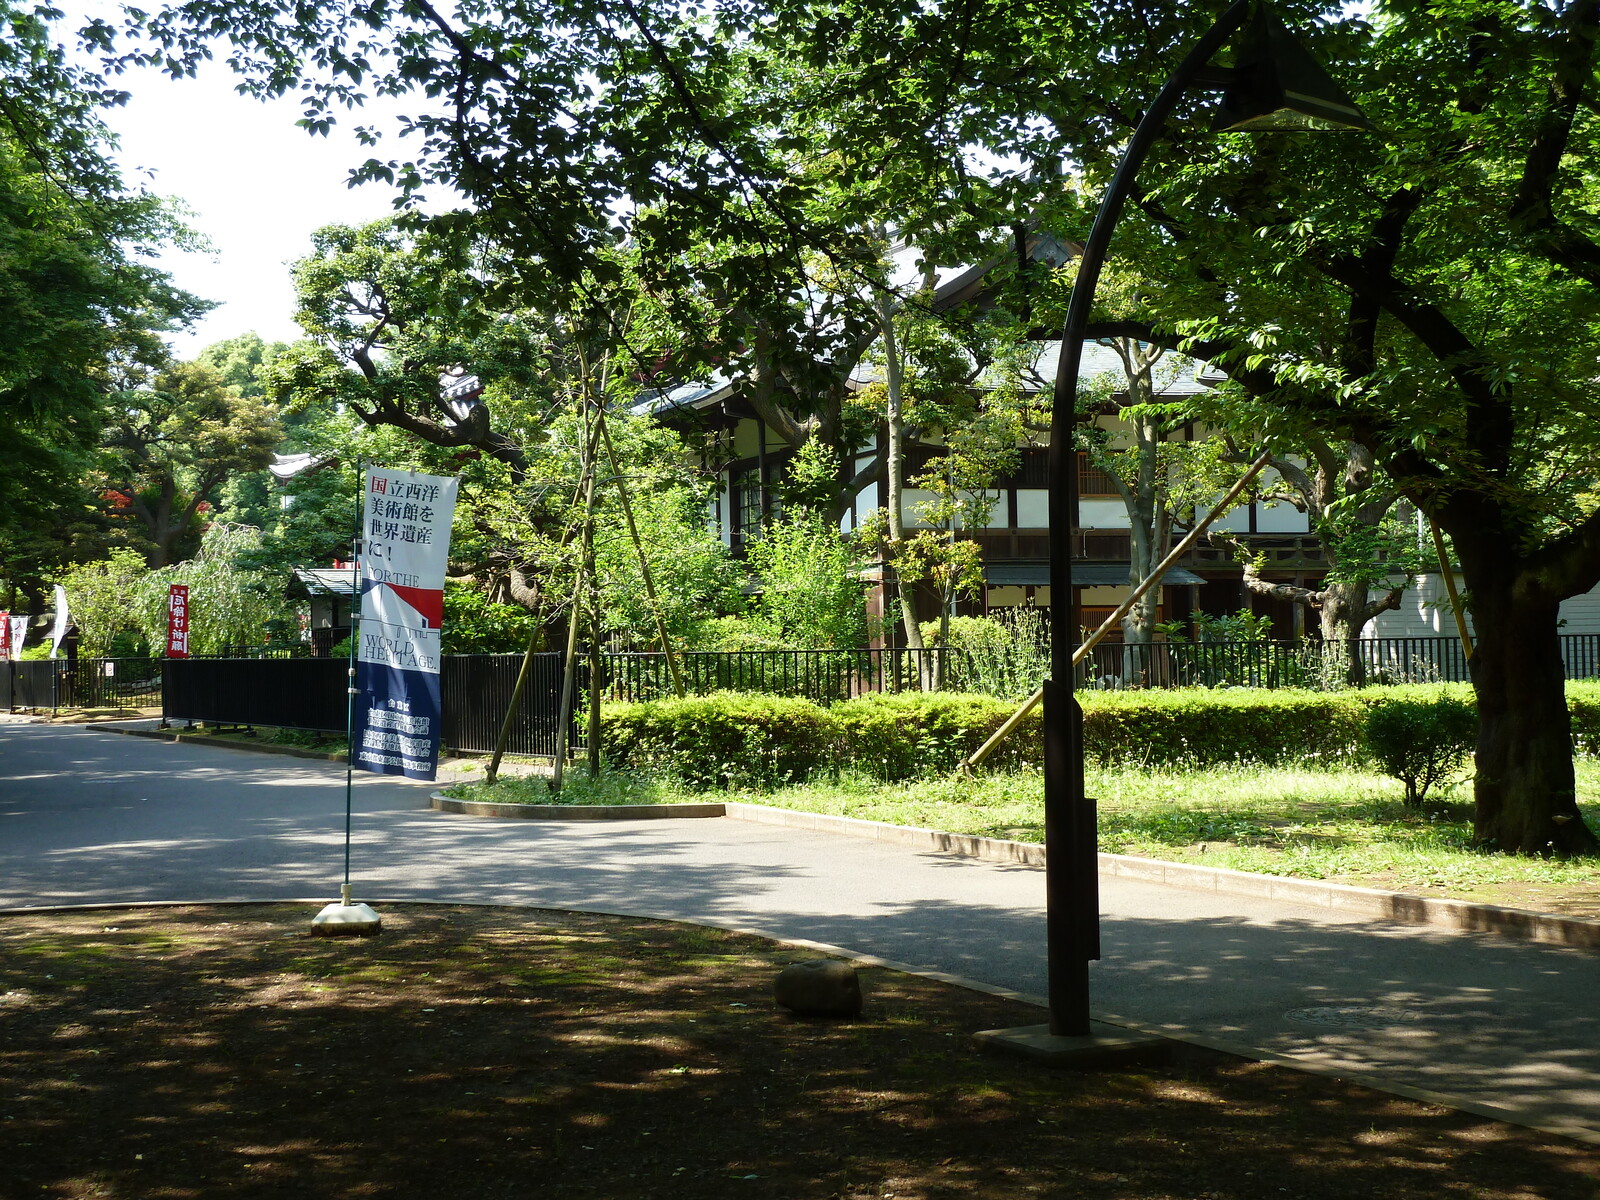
pixel 350 684
pixel 345 917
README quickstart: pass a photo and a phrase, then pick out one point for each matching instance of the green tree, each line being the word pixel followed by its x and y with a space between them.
pixel 103 599
pixel 811 594
pixel 232 605
pixel 243 362
pixel 78 296
pixel 171 446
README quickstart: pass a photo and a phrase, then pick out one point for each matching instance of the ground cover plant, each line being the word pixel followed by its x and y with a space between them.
pixel 203 1051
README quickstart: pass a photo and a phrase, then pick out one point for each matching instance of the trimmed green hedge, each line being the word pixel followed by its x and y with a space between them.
pixel 726 739
pixel 743 740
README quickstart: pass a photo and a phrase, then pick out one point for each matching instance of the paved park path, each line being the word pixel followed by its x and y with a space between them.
pixel 1495 1025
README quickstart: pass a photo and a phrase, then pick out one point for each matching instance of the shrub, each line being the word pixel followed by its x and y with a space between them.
pixel 1420 742
pixel 1200 727
pixel 915 733
pixel 726 739
pixel 1583 702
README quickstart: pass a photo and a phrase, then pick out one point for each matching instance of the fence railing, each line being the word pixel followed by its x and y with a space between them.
pixel 310 693
pixel 56 683
pixel 822 675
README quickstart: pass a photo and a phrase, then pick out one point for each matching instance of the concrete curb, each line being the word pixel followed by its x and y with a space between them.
pixel 202 739
pixel 1401 907
pixel 574 812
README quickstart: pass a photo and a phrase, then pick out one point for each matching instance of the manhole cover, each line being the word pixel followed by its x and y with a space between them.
pixel 1351 1016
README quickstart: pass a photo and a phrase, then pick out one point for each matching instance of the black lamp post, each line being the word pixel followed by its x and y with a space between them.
pixel 1275 85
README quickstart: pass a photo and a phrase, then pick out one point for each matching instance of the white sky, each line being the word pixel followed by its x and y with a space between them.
pixel 257 186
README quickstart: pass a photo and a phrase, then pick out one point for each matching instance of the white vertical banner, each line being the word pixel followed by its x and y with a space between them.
pixel 405 531
pixel 59 630
pixel 19 632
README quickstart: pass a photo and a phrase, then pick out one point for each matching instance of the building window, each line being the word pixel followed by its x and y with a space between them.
pixel 1092 481
pixel 747 505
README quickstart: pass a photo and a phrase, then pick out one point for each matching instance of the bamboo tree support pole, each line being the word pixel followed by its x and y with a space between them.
pixel 1449 578
pixel 974 759
pixel 569 662
pixel 596 667
pixel 525 671
pixel 644 560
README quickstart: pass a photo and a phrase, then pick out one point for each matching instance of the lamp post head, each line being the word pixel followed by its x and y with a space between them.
pixel 1275 84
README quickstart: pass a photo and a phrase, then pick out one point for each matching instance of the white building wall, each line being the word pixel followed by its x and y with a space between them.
pixel 1033 508
pixel 1279 518
pixel 1424 612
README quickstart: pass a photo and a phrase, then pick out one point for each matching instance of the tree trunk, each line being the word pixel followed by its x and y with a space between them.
pixel 1525 791
pixel 1344 618
pixel 895 465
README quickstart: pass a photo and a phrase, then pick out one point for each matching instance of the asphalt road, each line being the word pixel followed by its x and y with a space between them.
pixel 90 817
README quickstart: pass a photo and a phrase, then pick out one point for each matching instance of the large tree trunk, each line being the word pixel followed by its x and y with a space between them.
pixel 1526 792
pixel 1344 618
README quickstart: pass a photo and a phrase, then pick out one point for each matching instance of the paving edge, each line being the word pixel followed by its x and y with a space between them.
pixel 1401 907
pixel 1579 1133
pixel 574 812
pixel 205 739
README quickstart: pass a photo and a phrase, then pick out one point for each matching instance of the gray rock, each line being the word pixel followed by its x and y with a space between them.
pixel 821 987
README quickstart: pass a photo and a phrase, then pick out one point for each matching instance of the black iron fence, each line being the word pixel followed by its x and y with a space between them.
pixel 120 684
pixel 310 693
pixel 475 691
pixel 1317 665
pixel 291 693
pixel 821 675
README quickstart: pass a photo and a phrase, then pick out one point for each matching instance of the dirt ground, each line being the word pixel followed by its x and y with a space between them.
pixel 480 1052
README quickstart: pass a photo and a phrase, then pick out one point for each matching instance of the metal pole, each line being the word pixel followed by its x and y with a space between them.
pixel 350 678
pixel 1072 893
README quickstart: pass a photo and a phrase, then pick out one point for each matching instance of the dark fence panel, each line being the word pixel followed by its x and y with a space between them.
pixel 475 691
pixel 294 693
pixel 30 684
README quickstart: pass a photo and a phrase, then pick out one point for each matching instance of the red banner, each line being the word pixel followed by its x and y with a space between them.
pixel 5 635
pixel 178 621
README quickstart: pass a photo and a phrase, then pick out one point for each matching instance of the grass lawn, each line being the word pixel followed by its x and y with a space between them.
pixel 1346 826
pixel 474 1052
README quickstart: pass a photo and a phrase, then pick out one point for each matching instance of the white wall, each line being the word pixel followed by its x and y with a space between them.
pixel 1280 518
pixel 1033 508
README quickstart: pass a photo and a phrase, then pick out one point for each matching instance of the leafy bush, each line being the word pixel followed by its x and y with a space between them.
pixel 1420 742
pixel 1583 702
pixel 726 739
pixel 743 740
pixel 475 625
pixel 1200 727
pixel 896 737
pixel 993 656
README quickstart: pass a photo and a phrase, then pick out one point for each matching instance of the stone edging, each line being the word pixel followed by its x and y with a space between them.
pixel 1400 907
pixel 573 812
pixel 204 739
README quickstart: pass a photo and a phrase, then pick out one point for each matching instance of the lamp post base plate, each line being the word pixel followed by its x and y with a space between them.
pixel 1102 1046
pixel 346 920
